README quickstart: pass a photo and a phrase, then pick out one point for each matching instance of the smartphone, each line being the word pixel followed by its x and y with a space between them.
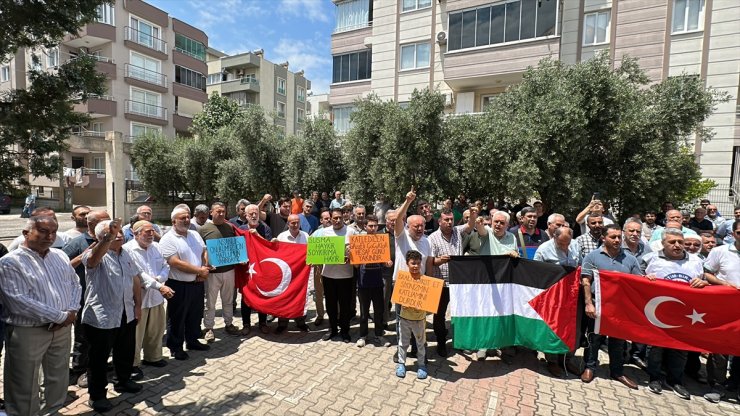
pixel 597 195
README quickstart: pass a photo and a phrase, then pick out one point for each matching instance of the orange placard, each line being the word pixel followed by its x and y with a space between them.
pixel 422 293
pixel 364 249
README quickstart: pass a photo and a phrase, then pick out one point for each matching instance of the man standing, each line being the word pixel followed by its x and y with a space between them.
pixel 184 251
pixel 240 220
pixel 671 216
pixel 296 203
pixel 111 312
pixel 594 207
pixel 370 292
pixel 359 224
pixel 390 221
pixel 253 223
pixel 278 222
pixel 200 217
pixel 40 294
pixel 318 284
pixel 632 230
pixel 309 222
pixel 649 225
pixel 380 210
pixel 430 223
pixel 79 216
pixel 700 220
pixel 221 279
pixel 611 256
pixel 554 221
pixel 591 241
pixel 528 235
pixel 295 235
pixel 337 202
pixel 154 271
pixel 145 213
pixel 724 232
pixel 338 281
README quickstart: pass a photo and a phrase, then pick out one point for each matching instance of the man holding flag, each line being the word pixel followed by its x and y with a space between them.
pixel 611 256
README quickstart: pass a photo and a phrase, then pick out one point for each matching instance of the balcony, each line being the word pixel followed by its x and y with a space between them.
pixel 181 123
pixel 145 43
pixel 188 60
pixel 98 106
pixel 91 35
pixel 145 113
pixel 191 93
pixel 145 78
pixel 245 60
pixel 240 85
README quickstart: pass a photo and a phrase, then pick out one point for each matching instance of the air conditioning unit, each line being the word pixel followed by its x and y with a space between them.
pixel 442 38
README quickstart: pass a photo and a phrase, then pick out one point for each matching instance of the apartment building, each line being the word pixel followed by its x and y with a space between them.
pixel 250 79
pixel 155 68
pixel 472 50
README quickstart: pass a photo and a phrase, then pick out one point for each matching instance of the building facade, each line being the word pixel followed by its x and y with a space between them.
pixel 155 68
pixel 250 79
pixel 472 50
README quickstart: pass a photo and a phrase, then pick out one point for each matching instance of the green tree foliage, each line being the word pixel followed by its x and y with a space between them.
pixel 36 122
pixel 218 112
pixel 158 164
pixel 313 160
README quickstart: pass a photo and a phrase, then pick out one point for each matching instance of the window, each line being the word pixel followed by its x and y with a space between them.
pixel 301 94
pixel 500 23
pixel 146 103
pixel 281 109
pixel 688 15
pixel 249 78
pixel 139 130
pixel 5 73
pixel 96 127
pixel 146 34
pixel 281 86
pixel 190 47
pixel 106 14
pixel 596 28
pixel 52 57
pixel 415 56
pixel 340 117
pixel 301 115
pixel 352 66
pixel 190 78
pixel 485 101
pixel 99 163
pixel 353 14
pixel 145 69
pixel 409 5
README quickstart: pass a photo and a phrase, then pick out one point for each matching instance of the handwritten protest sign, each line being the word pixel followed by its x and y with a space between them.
pixel 226 251
pixel 422 294
pixel 325 250
pixel 364 249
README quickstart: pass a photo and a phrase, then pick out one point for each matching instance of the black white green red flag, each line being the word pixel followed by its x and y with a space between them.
pixel 499 301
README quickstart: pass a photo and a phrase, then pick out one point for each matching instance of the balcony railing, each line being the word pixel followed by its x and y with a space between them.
pixel 250 81
pixel 352 27
pixel 190 54
pixel 88 133
pixel 144 109
pixel 146 75
pixel 145 39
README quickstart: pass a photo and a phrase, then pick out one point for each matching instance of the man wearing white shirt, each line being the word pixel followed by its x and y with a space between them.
pixel 294 235
pixel 337 279
pixel 40 295
pixel 154 271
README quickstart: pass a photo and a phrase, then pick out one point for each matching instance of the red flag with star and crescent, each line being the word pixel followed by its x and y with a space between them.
pixel 668 314
pixel 276 279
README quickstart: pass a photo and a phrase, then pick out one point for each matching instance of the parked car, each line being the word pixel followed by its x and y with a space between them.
pixel 4 203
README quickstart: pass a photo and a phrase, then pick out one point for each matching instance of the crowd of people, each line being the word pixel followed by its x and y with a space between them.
pixel 107 289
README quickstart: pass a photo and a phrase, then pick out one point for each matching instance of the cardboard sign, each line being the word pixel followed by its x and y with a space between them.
pixel 422 294
pixel 364 249
pixel 325 250
pixel 226 251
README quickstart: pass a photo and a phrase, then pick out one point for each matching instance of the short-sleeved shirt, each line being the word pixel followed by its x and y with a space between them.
pixel 188 248
pixel 584 224
pixel 110 290
pixel 601 260
pixel 704 224
pixel 338 271
pixel 724 262
pixel 287 237
pixel 587 243
pixel 441 247
pixel 404 244
pixel 431 226
pixel 683 270
pixel 128 233
pixel 277 223
pixel 548 252
pixel 642 250
pixel 494 246
pixel 74 248
pixel 211 231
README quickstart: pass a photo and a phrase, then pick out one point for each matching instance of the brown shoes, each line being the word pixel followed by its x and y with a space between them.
pixel 587 376
pixel 626 381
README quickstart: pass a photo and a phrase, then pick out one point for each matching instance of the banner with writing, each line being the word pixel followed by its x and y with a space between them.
pixel 226 251
pixel 364 249
pixel 325 250
pixel 423 293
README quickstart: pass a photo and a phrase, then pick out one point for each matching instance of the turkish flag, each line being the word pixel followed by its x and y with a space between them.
pixel 276 279
pixel 668 314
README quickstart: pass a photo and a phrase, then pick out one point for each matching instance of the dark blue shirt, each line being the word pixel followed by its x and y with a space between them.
pixel 370 275
pixel 74 248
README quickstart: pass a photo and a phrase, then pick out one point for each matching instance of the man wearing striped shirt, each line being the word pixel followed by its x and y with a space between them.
pixel 40 293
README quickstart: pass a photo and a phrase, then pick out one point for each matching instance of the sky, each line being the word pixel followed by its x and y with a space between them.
pixel 297 31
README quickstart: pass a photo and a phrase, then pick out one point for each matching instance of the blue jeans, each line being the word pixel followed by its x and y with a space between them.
pixel 616 354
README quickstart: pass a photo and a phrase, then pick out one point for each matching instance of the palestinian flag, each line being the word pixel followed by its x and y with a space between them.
pixel 499 301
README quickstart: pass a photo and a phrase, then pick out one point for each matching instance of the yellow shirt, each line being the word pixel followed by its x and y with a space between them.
pixel 412 314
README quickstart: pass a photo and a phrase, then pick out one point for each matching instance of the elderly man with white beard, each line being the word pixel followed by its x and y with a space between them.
pixel 154 271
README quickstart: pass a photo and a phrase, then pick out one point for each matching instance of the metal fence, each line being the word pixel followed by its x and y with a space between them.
pixel 726 198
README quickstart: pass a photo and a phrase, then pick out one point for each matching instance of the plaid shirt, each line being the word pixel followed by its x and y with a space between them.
pixel 442 246
pixel 588 244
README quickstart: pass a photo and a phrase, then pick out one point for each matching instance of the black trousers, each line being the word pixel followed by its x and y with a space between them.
pixel 438 322
pixel 184 312
pixel 80 348
pixel 247 311
pixel 339 300
pixel 374 296
pixel 122 341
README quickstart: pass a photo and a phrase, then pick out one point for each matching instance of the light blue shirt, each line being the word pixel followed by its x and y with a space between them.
pixel 658 234
pixel 548 252
pixel 724 231
pixel 110 290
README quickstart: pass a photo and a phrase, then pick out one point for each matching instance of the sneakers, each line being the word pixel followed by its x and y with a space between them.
pixel 232 330
pixel 82 381
pixel 421 373
pixel 717 393
pixel 681 391
pixel 479 355
pixel 137 374
pixel 656 387
pixel 361 342
pixel 400 371
pixel 209 337
pixel 100 406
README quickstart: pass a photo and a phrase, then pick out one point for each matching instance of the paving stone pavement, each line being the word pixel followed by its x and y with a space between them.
pixel 296 373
